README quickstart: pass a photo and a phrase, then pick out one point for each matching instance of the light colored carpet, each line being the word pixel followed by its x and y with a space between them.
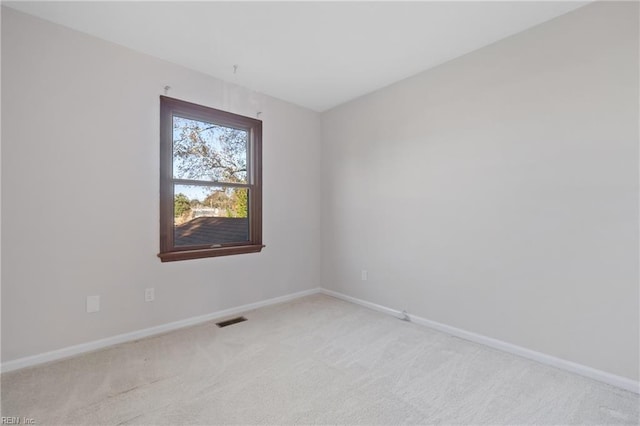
pixel 313 360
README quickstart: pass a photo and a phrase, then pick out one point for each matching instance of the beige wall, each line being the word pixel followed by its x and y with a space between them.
pixel 80 192
pixel 512 173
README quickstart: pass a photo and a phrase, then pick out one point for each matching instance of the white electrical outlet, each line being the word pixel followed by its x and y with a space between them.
pixel 149 294
pixel 93 304
pixel 363 275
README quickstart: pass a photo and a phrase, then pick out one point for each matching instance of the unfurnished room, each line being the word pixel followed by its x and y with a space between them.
pixel 312 212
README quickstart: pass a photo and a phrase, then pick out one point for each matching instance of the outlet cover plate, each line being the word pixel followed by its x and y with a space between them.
pixel 149 294
pixel 93 304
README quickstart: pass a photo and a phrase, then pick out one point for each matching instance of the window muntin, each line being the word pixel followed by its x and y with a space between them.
pixel 210 182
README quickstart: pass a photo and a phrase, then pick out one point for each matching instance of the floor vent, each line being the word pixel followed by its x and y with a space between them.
pixel 230 321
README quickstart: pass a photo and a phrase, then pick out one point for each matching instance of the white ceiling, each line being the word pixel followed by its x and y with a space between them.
pixel 314 54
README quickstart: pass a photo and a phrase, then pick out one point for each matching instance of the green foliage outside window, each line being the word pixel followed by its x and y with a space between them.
pixel 181 205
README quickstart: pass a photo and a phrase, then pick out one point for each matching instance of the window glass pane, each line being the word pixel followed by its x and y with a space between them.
pixel 206 215
pixel 205 151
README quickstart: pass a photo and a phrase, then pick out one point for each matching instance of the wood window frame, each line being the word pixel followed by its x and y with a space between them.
pixel 168 251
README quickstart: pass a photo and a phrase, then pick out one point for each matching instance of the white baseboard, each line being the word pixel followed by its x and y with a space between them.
pixel 135 335
pixel 583 370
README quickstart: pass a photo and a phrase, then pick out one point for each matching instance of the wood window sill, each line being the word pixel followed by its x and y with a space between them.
pixel 210 252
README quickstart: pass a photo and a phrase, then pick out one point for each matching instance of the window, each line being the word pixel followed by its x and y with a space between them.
pixel 210 182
